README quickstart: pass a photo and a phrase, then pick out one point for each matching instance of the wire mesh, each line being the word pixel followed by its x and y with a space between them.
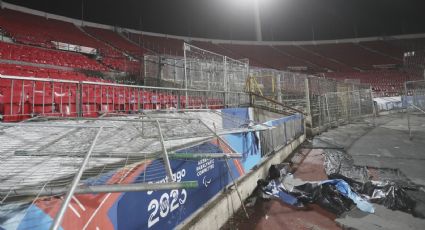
pixel 284 131
pixel 211 71
pixel 164 71
pixel 38 160
pixel 333 102
pixel 414 99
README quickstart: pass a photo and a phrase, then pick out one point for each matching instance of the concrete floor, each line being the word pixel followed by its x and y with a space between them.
pixel 386 145
pixel 380 143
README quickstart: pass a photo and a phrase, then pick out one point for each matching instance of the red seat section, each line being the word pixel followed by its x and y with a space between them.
pixel 40 31
pixel 116 40
pixel 121 62
pixel 161 45
pixel 351 54
pixel 37 55
pixel 385 83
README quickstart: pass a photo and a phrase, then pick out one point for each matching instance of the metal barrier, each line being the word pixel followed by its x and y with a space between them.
pixel 284 131
pixel 27 97
pixel 207 70
pixel 164 71
pixel 284 87
pixel 335 108
pixel 414 100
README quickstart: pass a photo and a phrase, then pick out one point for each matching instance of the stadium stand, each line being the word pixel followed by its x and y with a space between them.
pixel 25 53
pixel 352 55
pixel 38 72
pixel 161 45
pixel 384 47
pixel 33 51
pixel 26 29
pixel 116 40
pixel 264 56
pixel 385 83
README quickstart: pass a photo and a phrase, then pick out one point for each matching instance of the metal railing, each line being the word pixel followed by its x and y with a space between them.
pixel 25 97
pixel 336 108
pixel 283 132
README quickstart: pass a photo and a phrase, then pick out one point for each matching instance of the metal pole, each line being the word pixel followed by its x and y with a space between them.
pixel 278 87
pixel 225 87
pixel 59 216
pixel 327 107
pixel 23 98
pixel 373 107
pixel 228 167
pixel 307 99
pixel 44 92
pixel 236 187
pixel 110 188
pixel 320 114
pixel 407 112
pixel 360 103
pixel 164 150
pixel 185 74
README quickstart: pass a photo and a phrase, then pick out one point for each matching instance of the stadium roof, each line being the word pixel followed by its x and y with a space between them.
pixel 281 20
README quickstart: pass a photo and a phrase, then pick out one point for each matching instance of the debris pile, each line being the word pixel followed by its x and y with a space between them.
pixel 348 186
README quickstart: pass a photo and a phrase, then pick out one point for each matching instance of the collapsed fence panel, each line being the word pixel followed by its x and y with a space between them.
pixel 40 160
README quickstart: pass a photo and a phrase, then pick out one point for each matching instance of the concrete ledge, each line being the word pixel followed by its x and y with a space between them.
pixel 219 209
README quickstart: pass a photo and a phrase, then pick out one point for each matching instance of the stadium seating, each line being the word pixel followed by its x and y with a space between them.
pixel 25 53
pixel 316 62
pixel 40 31
pixel 116 40
pixel 385 48
pixel 217 48
pixel 37 57
pixel 384 83
pixel 352 55
pixel 161 45
pixel 265 56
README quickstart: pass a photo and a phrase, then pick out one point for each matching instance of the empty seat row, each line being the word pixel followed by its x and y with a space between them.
pixel 38 55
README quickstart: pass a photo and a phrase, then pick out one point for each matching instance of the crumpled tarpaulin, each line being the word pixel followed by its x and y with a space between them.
pixel 394 195
pixel 346 191
pixel 334 195
pixel 397 194
pixel 275 189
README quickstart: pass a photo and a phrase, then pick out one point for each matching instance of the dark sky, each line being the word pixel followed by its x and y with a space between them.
pixel 284 20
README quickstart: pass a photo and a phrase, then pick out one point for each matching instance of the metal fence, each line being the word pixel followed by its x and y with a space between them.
pixel 27 97
pixel 210 71
pixel 325 102
pixel 414 100
pixel 285 88
pixel 284 131
pixel 164 71
pixel 335 108
pixel 333 102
